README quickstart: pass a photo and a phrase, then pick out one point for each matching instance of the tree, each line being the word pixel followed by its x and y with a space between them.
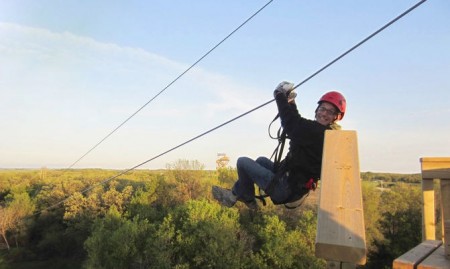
pixel 400 223
pixel 281 248
pixel 142 202
pixel 116 198
pixel 209 236
pixel 187 175
pixel 13 216
pixel 114 242
pixel 372 215
pixel 227 175
pixel 160 249
pixel 307 226
pixel 6 223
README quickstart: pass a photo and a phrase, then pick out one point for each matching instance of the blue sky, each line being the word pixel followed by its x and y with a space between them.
pixel 72 71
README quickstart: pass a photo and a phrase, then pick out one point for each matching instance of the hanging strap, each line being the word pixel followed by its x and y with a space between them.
pixel 277 153
pixel 262 196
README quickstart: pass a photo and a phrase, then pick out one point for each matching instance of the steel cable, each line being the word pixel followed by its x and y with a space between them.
pixel 170 84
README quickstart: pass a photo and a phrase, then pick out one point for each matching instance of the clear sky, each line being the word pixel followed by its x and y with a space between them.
pixel 72 71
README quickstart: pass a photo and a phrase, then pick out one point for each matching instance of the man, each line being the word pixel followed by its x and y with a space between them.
pixel 299 172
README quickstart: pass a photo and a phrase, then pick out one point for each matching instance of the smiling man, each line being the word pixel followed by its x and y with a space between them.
pixel 298 173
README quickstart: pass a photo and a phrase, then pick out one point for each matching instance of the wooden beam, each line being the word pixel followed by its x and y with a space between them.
pixel 428 208
pixel 340 265
pixel 340 229
pixel 435 167
pixel 436 260
pixel 445 206
pixel 412 258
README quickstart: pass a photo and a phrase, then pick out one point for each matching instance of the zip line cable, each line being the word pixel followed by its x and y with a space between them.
pixel 363 41
pixel 350 50
pixel 157 156
pixel 170 84
pixel 244 114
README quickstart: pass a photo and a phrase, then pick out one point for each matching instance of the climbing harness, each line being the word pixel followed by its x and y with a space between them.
pixel 277 156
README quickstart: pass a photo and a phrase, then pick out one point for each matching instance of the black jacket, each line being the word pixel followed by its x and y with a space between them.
pixel 304 159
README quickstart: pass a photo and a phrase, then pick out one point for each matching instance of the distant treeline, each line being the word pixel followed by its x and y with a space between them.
pixel 391 177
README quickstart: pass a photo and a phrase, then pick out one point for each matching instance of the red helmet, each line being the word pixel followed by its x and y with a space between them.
pixel 337 99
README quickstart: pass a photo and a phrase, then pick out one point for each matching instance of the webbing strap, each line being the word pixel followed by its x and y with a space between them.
pixel 300 202
pixel 279 150
pixel 262 197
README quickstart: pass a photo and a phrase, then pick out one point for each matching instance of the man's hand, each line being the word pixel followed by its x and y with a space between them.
pixel 284 88
pixel 291 96
pixel 287 89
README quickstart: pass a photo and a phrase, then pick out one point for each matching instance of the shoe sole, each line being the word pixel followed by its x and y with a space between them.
pixel 221 197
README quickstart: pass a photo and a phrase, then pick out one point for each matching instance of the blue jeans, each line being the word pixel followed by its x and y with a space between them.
pixel 259 172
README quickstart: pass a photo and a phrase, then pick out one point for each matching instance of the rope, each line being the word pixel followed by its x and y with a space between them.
pixel 168 85
pixel 240 116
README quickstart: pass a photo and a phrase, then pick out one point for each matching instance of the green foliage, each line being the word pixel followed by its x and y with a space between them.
pixel 160 247
pixel 187 176
pixel 208 236
pixel 227 176
pixel 111 244
pixel 307 225
pixel 50 238
pixel 402 219
pixel 143 200
pixel 167 219
pixel 283 248
pixel 400 224
pixel 390 177
pixel 372 215
pixel 118 242
pixel 14 215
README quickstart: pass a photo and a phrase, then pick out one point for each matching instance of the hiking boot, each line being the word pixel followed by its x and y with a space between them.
pixel 224 196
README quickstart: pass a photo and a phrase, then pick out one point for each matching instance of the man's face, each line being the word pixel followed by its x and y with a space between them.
pixel 326 113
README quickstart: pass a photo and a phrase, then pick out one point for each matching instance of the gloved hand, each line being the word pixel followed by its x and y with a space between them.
pixel 284 88
pixel 291 96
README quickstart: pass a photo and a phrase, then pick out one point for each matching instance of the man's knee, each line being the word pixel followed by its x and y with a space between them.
pixel 261 159
pixel 241 161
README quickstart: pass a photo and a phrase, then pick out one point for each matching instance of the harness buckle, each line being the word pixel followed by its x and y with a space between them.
pixel 311 184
